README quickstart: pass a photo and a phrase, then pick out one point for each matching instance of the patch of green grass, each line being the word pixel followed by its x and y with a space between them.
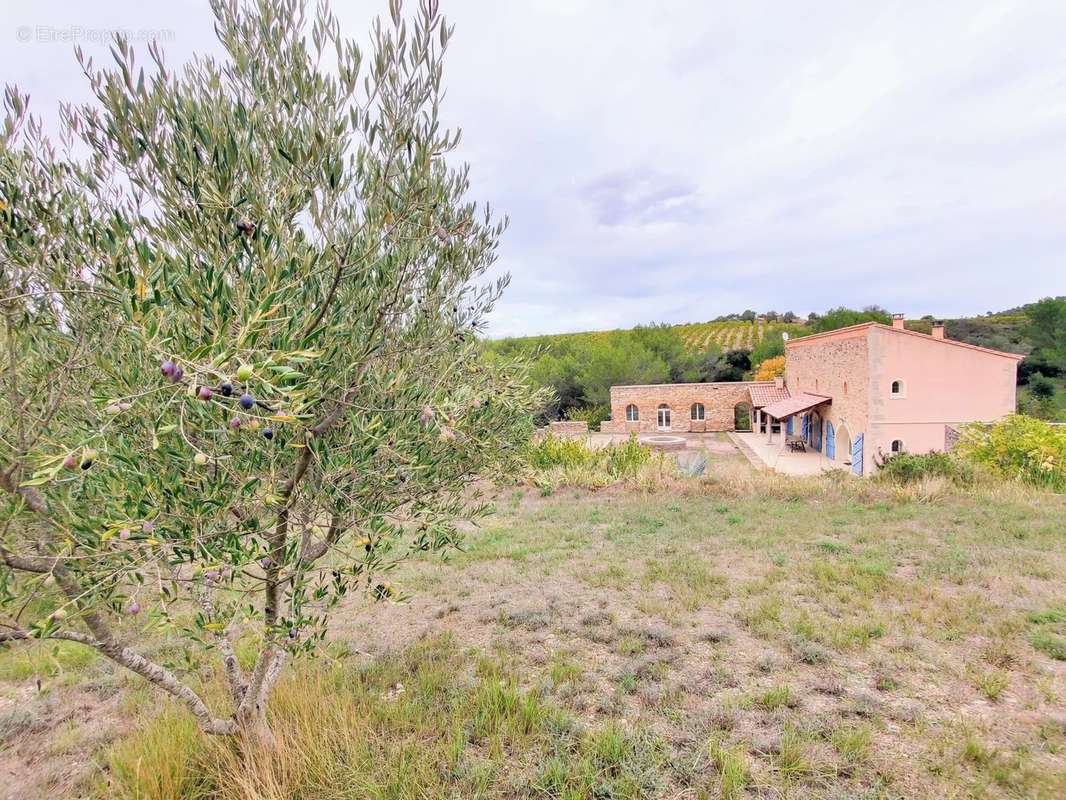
pixel 832 547
pixel 732 768
pixel 852 743
pixel 1049 616
pixel 1049 644
pixel 991 683
pixel 775 698
pixel 25 660
pixel 563 669
pixel 793 760
pixel 692 583
pixel 615 576
pixel 340 727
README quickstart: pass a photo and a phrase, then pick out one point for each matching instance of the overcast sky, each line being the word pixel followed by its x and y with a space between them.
pixel 673 161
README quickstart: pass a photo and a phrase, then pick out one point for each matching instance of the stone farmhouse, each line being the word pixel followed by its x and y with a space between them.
pixel 853 395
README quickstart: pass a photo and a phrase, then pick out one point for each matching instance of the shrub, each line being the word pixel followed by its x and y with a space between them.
pixel 906 468
pixel 617 459
pixel 1018 448
pixel 556 461
pixel 770 369
pixel 593 415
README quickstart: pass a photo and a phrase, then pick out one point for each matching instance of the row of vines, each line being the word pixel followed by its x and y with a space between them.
pixel 731 335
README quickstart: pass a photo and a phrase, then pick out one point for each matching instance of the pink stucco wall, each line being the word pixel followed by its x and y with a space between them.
pixel 944 383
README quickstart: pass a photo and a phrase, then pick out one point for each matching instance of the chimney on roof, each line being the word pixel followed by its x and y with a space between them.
pixel 938 329
pixel 897 321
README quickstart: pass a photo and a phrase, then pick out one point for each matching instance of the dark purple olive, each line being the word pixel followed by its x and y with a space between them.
pixel 268 433
pixel 246 401
pixel 245 227
pixel 177 375
pixel 167 368
pixel 227 388
pixel 87 458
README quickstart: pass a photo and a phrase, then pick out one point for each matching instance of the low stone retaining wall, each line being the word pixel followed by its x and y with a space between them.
pixel 569 428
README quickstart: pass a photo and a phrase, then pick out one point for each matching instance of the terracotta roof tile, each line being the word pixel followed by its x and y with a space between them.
pixel 765 394
pixel 794 405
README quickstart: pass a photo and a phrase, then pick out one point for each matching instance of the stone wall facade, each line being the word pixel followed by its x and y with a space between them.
pixel 569 428
pixel 719 401
pixel 836 365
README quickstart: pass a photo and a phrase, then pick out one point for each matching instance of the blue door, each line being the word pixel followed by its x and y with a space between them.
pixel 830 441
pixel 856 455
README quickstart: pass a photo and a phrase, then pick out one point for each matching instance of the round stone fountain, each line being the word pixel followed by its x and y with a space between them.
pixel 663 442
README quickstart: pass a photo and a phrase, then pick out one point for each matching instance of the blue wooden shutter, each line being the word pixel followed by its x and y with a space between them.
pixel 830 441
pixel 806 425
pixel 788 426
pixel 856 455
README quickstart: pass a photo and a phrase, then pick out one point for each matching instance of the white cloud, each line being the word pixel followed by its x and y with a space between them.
pixel 678 160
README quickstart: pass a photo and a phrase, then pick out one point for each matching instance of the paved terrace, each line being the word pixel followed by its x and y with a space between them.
pixel 776 456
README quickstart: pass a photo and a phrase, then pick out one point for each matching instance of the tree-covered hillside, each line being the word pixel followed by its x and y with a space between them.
pixel 581 367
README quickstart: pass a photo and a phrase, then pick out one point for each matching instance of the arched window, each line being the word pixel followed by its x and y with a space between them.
pixel 845 387
pixel 632 415
pixel 898 388
pixel 897 446
pixel 697 411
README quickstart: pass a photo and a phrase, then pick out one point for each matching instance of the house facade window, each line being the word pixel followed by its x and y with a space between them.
pixel 897 446
pixel 899 389
pixel 697 411
pixel 845 388
pixel 632 414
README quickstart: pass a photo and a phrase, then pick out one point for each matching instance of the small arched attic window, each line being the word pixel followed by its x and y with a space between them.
pixel 632 414
pixel 898 388
pixel 897 446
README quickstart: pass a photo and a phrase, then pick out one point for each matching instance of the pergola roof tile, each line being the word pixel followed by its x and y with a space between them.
pixel 795 405
pixel 767 394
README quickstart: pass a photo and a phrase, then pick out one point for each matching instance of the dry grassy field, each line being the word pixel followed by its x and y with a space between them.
pixel 734 636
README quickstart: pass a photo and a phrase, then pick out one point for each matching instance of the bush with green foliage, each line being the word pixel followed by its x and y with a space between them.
pixel 1041 388
pixel 771 346
pixel 1046 330
pixel 593 415
pixel 906 468
pixel 843 317
pixel 557 459
pixel 1018 448
pixel 241 376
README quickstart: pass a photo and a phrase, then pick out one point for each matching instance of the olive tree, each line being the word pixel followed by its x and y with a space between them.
pixel 240 373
